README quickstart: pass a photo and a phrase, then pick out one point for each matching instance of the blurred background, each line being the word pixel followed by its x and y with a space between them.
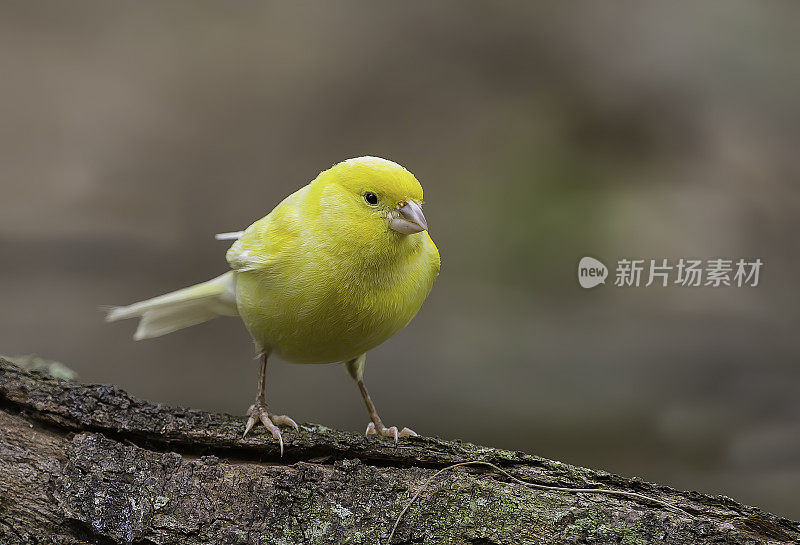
pixel 132 133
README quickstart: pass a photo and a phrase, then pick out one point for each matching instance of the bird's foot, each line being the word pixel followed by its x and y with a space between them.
pixel 258 413
pixel 380 429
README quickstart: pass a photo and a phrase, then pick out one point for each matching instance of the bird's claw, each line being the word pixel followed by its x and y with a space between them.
pixel 258 413
pixel 380 429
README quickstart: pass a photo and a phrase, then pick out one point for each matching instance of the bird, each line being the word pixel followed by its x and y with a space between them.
pixel 334 270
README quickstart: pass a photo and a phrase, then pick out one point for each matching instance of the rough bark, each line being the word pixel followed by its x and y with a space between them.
pixel 93 464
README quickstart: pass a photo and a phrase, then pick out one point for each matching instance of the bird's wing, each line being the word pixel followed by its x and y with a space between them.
pixel 263 243
pixel 233 235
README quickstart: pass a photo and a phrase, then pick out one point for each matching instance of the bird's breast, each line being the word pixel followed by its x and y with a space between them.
pixel 327 307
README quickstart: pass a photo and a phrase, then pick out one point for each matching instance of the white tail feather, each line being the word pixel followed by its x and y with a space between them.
pixel 183 308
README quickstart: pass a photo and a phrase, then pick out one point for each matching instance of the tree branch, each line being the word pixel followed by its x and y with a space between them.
pixel 93 464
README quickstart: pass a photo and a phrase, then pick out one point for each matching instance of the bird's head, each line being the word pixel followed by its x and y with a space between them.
pixel 370 195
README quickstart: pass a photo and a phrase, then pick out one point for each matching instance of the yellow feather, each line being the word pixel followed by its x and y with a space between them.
pixel 323 278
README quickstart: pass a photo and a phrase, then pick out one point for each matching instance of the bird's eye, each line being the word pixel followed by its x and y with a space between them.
pixel 371 198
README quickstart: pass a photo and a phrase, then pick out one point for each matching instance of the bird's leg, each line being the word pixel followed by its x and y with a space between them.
pixel 258 410
pixel 375 427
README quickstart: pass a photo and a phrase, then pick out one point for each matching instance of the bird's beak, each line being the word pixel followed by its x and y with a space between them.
pixel 409 219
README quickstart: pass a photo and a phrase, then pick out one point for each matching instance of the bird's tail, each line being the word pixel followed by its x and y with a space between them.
pixel 183 308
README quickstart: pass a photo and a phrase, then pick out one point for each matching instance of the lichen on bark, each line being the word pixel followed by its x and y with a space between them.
pixel 93 464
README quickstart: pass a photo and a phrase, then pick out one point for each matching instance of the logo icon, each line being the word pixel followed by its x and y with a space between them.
pixel 591 272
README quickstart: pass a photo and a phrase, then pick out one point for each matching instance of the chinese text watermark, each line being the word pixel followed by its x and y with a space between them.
pixel 635 273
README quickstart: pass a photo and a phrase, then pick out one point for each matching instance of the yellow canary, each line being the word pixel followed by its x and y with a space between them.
pixel 337 268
